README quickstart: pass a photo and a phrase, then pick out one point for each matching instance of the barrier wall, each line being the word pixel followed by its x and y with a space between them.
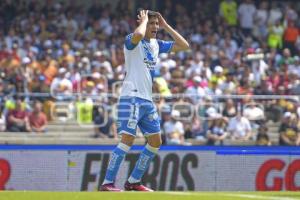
pixel 200 168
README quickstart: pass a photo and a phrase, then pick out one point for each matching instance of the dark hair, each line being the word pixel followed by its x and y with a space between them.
pixel 150 12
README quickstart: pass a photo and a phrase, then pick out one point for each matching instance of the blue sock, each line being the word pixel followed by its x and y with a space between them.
pixel 142 164
pixel 115 162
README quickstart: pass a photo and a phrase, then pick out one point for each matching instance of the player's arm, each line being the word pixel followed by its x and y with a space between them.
pixel 140 31
pixel 180 43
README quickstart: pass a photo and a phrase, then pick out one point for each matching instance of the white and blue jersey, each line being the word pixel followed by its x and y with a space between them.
pixel 140 61
pixel 135 106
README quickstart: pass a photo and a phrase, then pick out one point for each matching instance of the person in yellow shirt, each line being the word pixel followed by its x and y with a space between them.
pixel 218 76
pixel 162 85
pixel 275 35
pixel 228 10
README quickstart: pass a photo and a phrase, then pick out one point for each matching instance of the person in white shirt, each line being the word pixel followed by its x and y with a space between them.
pixel 174 129
pixel 195 92
pixel 135 107
pixel 61 88
pixel 275 13
pixel 239 128
pixel 253 112
pixel 246 12
pixel 261 17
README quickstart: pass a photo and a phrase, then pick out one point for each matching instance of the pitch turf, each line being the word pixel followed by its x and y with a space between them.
pixel 15 195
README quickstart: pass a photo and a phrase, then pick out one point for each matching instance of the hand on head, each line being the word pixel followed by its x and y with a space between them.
pixel 161 20
pixel 142 16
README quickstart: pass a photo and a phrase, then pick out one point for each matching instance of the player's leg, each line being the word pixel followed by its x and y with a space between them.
pixel 127 123
pixel 150 126
pixel 117 157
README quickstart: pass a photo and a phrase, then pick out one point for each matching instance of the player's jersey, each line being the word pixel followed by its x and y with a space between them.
pixel 140 61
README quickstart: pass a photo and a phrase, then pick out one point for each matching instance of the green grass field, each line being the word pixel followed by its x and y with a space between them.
pixel 14 195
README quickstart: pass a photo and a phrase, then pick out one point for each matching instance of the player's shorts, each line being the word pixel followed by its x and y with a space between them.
pixel 133 112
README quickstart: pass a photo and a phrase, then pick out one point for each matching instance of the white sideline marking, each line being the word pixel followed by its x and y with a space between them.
pixel 250 196
pixel 184 193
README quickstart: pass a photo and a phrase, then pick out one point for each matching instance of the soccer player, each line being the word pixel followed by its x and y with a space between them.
pixel 135 106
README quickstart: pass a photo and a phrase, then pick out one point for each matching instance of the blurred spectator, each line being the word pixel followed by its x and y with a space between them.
pixel 290 12
pixel 218 78
pixel 217 131
pixel 38 85
pixel 17 119
pixel 260 20
pixel 9 13
pixel 51 70
pixel 194 129
pixel 239 128
pixel 285 60
pixel 228 86
pixel 165 112
pixel 195 91
pixel 37 119
pixel 66 48
pixel 211 113
pixel 84 110
pixel 61 87
pixel 101 63
pixel 262 137
pixel 162 87
pixel 246 12
pixel 288 130
pixel 228 10
pixel 173 129
pixel 254 113
pixel 66 55
pixel 275 35
pixel 229 110
pixel 290 37
pixel 105 126
pixel 275 13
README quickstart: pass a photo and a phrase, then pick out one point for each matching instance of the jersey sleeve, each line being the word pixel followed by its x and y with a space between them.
pixel 165 46
pixel 128 44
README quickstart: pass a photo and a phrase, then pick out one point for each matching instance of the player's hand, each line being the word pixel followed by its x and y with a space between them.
pixel 142 16
pixel 162 22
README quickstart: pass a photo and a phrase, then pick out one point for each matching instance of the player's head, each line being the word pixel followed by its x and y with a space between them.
pixel 152 25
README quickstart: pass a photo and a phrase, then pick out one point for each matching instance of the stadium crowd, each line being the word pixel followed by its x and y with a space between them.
pixel 64 52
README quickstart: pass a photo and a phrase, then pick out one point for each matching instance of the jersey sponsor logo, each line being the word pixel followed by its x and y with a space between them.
pixel 150 65
pixel 132 123
pixel 149 59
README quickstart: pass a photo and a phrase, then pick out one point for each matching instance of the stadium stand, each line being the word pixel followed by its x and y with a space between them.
pixel 70 57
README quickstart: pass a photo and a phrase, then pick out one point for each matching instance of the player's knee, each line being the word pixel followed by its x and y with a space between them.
pixel 155 142
pixel 127 139
pixel 158 144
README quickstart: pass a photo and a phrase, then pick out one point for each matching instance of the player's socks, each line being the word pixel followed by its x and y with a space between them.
pixel 142 164
pixel 115 162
